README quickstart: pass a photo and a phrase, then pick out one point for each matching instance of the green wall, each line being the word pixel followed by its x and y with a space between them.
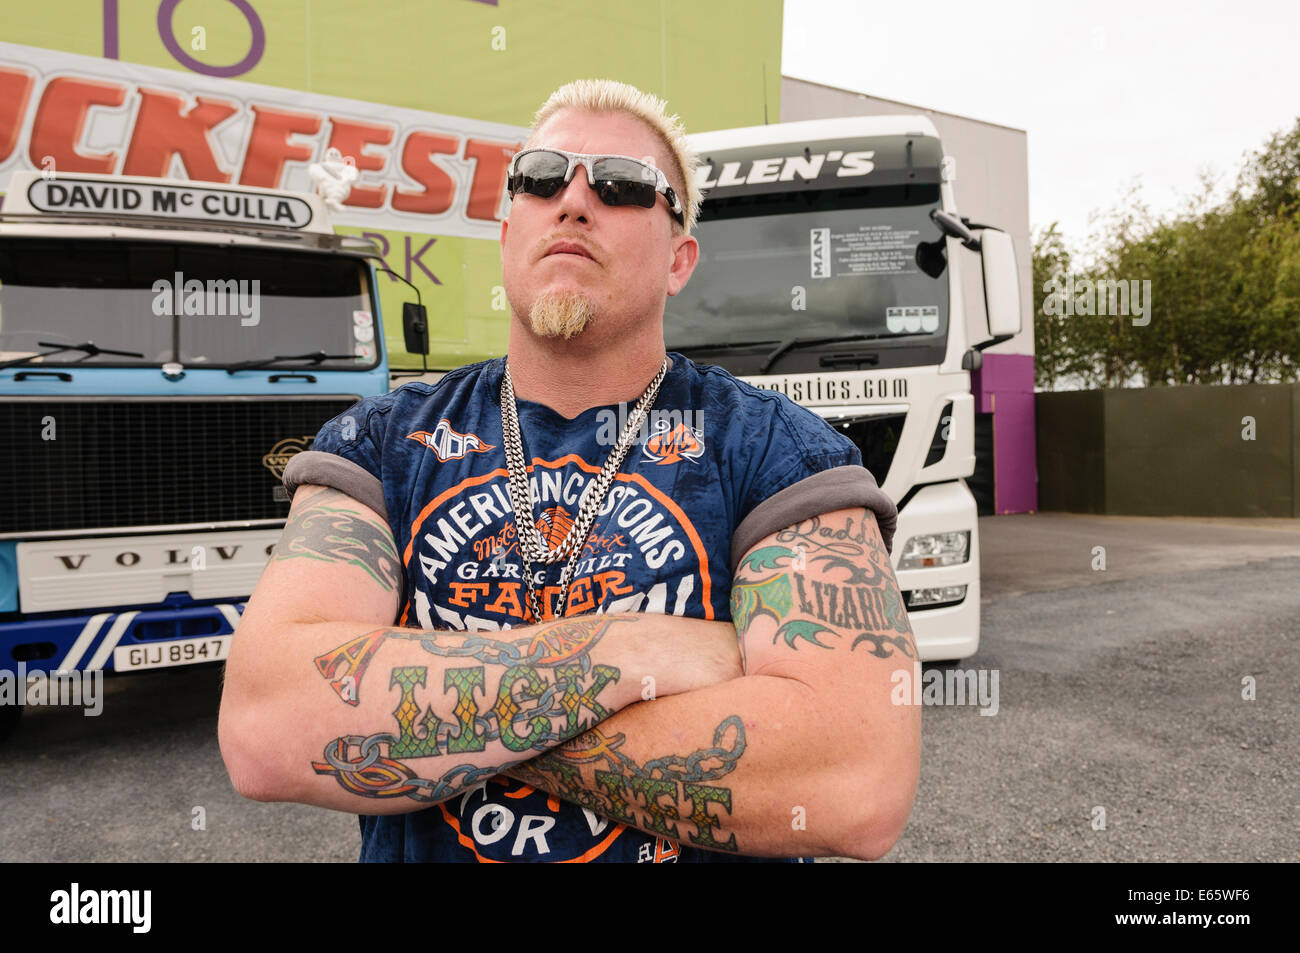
pixel 1171 451
pixel 718 65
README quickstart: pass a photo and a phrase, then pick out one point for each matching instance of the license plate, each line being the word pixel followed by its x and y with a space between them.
pixel 212 648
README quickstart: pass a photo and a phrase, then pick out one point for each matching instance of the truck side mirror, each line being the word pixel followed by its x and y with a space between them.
pixel 415 328
pixel 1001 283
pixel 930 257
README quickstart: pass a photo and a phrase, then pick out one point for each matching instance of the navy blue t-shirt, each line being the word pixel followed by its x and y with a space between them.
pixel 718 466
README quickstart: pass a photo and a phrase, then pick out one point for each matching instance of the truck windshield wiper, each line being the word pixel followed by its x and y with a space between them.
pixel 727 346
pixel 315 357
pixel 791 344
pixel 90 347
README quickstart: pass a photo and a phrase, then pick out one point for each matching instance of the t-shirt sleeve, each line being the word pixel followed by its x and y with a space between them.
pixel 345 455
pixel 805 469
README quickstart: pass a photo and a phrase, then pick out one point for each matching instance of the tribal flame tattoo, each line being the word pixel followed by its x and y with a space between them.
pixel 330 534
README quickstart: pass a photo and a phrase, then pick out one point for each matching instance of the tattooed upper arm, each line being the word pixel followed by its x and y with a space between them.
pixel 337 559
pixel 329 526
pixel 823 585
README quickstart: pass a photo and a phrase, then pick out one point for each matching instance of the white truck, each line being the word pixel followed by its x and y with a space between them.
pixel 830 269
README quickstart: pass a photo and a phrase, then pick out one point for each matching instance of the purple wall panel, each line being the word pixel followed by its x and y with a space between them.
pixel 1004 387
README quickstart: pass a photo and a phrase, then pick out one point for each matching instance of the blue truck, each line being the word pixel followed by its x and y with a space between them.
pixel 166 346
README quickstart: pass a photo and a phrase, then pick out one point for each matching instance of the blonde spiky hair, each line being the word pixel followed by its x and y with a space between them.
pixel 607 95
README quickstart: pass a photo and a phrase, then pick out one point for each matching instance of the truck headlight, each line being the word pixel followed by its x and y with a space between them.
pixel 935 549
pixel 934 598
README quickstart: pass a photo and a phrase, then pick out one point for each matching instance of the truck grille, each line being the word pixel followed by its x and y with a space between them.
pixel 70 464
pixel 877 438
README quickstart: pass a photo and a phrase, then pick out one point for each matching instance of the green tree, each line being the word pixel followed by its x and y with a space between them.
pixel 1225 285
pixel 1051 267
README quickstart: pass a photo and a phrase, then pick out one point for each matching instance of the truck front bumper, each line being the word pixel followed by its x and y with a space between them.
pixel 116 639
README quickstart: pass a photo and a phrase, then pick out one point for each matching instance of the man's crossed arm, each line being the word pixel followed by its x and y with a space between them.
pixel 806 755
pixel 326 702
pixel 803 755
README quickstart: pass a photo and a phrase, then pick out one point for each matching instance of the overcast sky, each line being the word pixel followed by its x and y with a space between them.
pixel 1109 91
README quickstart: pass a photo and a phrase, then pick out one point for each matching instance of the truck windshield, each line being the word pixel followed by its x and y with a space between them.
pixel 234 303
pixel 814 263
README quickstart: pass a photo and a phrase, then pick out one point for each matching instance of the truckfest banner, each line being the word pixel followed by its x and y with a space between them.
pixel 172 96
pixel 424 178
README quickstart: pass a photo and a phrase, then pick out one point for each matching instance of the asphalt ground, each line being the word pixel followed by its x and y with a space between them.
pixel 1122 689
pixel 1119 689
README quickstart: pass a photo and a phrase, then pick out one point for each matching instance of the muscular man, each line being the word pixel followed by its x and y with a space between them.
pixel 591 601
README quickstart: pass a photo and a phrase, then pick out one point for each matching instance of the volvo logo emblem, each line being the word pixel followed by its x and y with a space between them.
pixel 284 451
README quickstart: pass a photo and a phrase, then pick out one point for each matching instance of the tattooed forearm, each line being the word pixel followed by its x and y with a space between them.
pixel 861 598
pixel 656 796
pixel 545 691
pixel 555 642
pixel 330 534
pixel 372 774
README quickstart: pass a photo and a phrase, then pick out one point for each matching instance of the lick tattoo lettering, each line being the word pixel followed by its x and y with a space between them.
pixel 547 690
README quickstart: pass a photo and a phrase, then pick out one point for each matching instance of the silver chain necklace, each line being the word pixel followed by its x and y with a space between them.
pixel 532 547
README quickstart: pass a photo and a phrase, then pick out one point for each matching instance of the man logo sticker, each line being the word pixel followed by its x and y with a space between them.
pixel 821 252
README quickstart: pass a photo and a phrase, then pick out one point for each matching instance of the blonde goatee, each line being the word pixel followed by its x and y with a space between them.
pixel 560 314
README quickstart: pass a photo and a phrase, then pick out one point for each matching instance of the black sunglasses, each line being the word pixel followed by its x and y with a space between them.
pixel 618 180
